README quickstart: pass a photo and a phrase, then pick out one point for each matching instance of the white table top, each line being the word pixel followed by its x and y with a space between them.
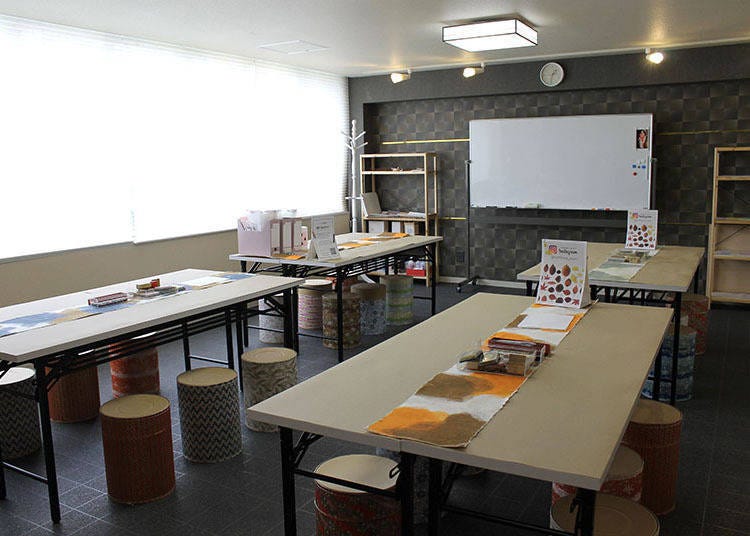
pixel 33 343
pixel 670 270
pixel 563 425
pixel 350 256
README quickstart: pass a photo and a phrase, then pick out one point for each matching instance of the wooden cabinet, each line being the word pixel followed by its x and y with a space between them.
pixel 415 173
pixel 729 241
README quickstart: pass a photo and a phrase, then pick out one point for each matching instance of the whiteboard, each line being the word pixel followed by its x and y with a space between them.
pixel 570 162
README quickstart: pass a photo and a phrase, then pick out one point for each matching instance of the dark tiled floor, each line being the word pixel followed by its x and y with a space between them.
pixel 242 496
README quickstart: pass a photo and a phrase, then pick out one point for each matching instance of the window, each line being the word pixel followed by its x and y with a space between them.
pixel 107 139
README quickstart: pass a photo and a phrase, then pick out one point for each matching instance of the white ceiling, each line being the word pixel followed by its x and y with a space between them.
pixel 378 36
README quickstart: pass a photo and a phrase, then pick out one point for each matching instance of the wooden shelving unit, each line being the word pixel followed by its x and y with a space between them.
pixel 412 167
pixel 729 242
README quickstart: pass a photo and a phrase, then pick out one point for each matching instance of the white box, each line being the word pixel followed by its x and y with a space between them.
pixel 263 243
pixel 375 226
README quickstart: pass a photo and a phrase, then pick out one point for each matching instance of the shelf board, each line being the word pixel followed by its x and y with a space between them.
pixel 389 172
pixel 732 149
pixel 397 155
pixel 732 221
pixel 400 218
pixel 732 255
pixel 730 297
pixel 733 178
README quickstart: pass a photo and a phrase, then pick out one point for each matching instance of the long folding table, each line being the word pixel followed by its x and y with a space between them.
pixel 378 255
pixel 563 425
pixel 671 272
pixel 62 348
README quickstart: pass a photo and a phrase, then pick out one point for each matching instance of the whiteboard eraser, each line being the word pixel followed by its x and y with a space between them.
pixel 532 205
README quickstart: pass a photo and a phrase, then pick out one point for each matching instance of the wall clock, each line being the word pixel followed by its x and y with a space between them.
pixel 551 74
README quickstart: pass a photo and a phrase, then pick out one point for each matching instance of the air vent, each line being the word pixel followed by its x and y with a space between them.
pixel 293 47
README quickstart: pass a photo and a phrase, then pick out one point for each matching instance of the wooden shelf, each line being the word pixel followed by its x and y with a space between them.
pixel 397 155
pixel 732 257
pixel 400 218
pixel 732 221
pixel 391 172
pixel 733 178
pixel 730 297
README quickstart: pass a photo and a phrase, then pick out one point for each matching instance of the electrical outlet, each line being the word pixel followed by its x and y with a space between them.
pixel 460 256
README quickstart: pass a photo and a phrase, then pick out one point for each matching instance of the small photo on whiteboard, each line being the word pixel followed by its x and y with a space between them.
pixel 641 138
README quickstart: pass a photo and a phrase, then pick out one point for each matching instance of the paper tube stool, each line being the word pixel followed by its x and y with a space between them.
pixel 399 298
pixel 75 397
pixel 137 441
pixel 685 365
pixel 695 306
pixel 612 516
pixel 273 321
pixel 372 307
pixel 135 374
pixel 266 372
pixel 310 309
pixel 343 511
pixel 209 414
pixel 350 304
pixel 624 479
pixel 654 433
pixel 19 416
pixel 346 285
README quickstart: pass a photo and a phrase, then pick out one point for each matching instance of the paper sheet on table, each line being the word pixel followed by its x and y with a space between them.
pixel 207 281
pixel 543 320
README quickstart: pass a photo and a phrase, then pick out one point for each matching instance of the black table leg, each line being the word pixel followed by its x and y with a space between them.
pixel 290 321
pixel 586 500
pixel 340 313
pixel 530 287
pixel 675 345
pixel 2 475
pixel 238 333
pixel 186 346
pixel 435 496
pixel 406 493
pixel 230 341
pixel 607 294
pixel 287 481
pixel 49 453
pixel 433 279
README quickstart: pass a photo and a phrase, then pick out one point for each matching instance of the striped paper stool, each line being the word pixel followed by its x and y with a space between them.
pixel 271 322
pixel 695 306
pixel 75 397
pixel 654 433
pixel 135 374
pixel 350 303
pixel 19 416
pixel 612 516
pixel 137 441
pixel 685 365
pixel 398 299
pixel 266 372
pixel 209 414
pixel 624 479
pixel 343 511
pixel 372 307
pixel 310 309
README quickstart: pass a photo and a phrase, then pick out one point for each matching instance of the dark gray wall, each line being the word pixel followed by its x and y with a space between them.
pixel 700 98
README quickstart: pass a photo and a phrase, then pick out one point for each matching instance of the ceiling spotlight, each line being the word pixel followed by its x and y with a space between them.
pixel 473 71
pixel 490 35
pixel 654 56
pixel 400 77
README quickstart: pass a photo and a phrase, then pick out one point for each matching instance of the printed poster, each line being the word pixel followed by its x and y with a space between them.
pixel 563 280
pixel 642 227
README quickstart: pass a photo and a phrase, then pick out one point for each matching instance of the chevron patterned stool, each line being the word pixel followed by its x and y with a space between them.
pixel 209 414
pixel 266 372
pixel 137 441
pixel 19 416
pixel 75 397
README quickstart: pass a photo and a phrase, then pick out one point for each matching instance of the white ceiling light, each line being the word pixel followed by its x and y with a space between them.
pixel 400 77
pixel 654 56
pixel 473 71
pixel 491 35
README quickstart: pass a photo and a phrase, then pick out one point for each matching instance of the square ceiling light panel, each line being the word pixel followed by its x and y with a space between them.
pixel 490 35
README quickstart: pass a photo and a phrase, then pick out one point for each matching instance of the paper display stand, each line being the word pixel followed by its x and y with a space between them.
pixel 642 230
pixel 564 276
pixel 323 243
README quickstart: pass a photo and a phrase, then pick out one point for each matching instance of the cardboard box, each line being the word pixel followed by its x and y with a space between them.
pixel 263 243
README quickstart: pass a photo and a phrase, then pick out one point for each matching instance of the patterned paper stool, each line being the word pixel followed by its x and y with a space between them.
pixel 310 309
pixel 612 516
pixel 654 433
pixel 695 306
pixel 350 303
pixel 266 372
pixel 624 479
pixel 421 483
pixel 135 374
pixel 137 441
pixel 19 416
pixel 75 397
pixel 372 307
pixel 685 365
pixel 399 298
pixel 343 511
pixel 347 283
pixel 209 414
pixel 271 322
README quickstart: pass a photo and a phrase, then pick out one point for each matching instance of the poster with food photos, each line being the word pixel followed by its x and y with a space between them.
pixel 563 280
pixel 642 227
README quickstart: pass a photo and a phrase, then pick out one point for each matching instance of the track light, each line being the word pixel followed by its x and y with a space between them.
pixel 473 71
pixel 654 56
pixel 400 77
